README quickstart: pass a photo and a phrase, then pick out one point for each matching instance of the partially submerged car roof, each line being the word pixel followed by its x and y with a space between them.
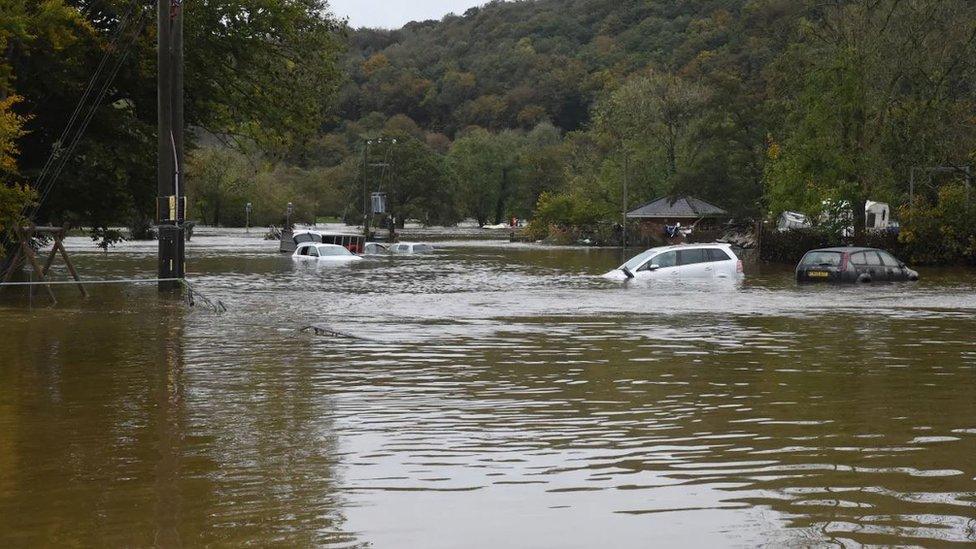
pixel 695 245
pixel 848 249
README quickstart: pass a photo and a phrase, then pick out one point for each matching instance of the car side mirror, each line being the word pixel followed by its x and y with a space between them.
pixel 654 267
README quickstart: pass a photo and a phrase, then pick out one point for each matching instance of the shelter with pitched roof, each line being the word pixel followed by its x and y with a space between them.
pixel 684 210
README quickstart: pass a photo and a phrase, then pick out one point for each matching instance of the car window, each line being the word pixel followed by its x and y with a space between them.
pixel 667 259
pixel 859 259
pixel 692 257
pixel 821 259
pixel 889 260
pixel 873 259
pixel 312 251
pixel 715 254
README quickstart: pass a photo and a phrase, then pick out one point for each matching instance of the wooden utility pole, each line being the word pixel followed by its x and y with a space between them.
pixel 171 202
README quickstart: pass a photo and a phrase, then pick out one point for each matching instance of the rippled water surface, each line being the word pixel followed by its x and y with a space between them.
pixel 497 396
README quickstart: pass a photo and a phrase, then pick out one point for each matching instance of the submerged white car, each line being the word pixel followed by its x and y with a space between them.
pixel 375 248
pixel 412 248
pixel 311 251
pixel 684 262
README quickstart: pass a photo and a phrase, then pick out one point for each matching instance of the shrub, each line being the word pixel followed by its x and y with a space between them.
pixel 943 232
pixel 789 246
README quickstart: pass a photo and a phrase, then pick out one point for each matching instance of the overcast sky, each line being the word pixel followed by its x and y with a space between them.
pixel 394 14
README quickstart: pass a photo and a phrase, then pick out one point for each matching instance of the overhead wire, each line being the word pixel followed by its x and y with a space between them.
pixel 90 116
pixel 139 25
pixel 61 156
pixel 110 50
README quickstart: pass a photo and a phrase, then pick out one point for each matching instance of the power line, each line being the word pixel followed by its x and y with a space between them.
pixel 60 156
pixel 123 22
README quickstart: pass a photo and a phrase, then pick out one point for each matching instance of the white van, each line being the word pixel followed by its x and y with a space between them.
pixel 685 262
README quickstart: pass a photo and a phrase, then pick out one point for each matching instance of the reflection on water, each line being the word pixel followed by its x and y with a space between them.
pixel 501 395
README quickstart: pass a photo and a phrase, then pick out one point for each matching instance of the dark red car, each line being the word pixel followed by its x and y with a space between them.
pixel 852 265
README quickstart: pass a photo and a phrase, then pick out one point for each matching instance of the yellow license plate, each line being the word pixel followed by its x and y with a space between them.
pixel 818 274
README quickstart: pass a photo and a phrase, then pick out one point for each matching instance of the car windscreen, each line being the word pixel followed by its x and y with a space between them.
pixel 889 260
pixel 822 259
pixel 638 260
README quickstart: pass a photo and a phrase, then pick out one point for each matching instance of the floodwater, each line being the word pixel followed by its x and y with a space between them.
pixel 497 396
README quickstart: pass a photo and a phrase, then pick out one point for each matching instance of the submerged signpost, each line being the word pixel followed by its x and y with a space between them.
pixel 171 201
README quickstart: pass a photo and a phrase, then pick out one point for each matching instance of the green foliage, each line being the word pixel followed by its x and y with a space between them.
pixel 567 210
pixel 486 167
pixel 651 116
pixel 258 74
pixel 943 231
pixel 788 247
pixel 221 181
pixel 544 109
pixel 11 129
pixel 265 70
pixel 14 197
pixel 421 184
pixel 871 90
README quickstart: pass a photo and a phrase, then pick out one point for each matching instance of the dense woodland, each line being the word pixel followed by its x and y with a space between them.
pixel 537 109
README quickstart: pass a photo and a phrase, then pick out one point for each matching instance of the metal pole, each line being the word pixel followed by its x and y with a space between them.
pixel 623 249
pixel 365 191
pixel 391 192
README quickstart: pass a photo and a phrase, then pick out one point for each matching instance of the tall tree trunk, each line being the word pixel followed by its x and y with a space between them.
pixel 672 148
pixel 860 221
pixel 502 196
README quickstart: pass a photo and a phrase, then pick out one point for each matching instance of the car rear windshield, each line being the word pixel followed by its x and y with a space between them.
pixel 822 259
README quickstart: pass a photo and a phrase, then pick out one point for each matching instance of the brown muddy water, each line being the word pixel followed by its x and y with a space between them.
pixel 501 396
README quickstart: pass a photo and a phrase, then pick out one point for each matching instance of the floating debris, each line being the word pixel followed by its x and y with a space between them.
pixel 329 332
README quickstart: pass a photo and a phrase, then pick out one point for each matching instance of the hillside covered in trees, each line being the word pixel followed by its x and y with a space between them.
pixel 540 109
pixel 78 97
